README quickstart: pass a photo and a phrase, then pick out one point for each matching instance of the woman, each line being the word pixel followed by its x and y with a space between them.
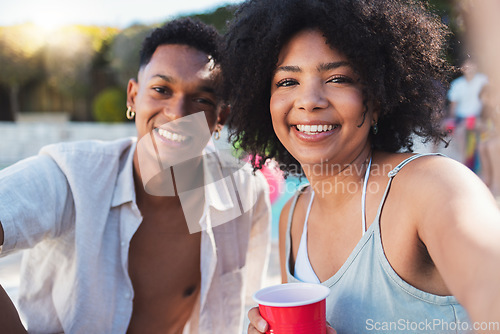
pixel 336 90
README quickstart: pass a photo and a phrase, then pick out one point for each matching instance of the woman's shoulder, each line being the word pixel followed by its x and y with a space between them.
pixel 426 165
pixel 433 177
pixel 439 194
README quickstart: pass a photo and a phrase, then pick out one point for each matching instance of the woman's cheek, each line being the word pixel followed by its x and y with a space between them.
pixel 279 105
pixel 278 110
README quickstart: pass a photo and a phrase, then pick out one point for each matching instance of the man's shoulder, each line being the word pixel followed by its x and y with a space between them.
pixel 90 158
pixel 88 147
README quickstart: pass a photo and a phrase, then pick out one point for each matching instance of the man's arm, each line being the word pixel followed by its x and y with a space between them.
pixel 35 202
pixel 10 322
pixel 452 111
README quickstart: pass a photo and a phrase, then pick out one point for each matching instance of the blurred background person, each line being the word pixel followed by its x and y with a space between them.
pixel 489 143
pixel 482 19
pixel 464 109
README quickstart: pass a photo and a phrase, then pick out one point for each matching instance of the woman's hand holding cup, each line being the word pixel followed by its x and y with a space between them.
pixel 290 307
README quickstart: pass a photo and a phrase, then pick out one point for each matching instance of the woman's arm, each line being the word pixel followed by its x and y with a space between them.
pixel 459 222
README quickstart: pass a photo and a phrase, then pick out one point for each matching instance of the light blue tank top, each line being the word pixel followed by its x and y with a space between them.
pixel 368 296
pixel 303 269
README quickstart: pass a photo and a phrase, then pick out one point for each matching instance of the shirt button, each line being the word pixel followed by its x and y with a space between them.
pixel 123 243
pixel 128 295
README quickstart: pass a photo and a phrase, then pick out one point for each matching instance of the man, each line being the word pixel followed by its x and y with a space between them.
pixel 153 236
pixel 465 108
pixel 465 90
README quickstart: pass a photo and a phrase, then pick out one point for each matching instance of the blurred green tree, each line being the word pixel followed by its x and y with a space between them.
pixel 20 48
pixel 109 105
pixel 218 17
pixel 449 11
pixel 123 53
pixel 78 62
pixel 68 62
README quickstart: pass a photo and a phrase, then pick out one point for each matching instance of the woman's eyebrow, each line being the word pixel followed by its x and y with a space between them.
pixel 332 66
pixel 321 68
pixel 288 69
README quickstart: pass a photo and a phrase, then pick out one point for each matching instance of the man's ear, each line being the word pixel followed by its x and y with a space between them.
pixel 223 114
pixel 132 89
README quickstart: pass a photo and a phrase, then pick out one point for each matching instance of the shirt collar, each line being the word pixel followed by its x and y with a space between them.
pixel 215 170
pixel 124 188
pixel 217 180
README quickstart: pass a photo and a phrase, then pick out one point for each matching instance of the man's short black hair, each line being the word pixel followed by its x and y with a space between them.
pixel 186 31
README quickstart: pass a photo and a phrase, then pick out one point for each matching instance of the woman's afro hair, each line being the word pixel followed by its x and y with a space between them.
pixel 396 46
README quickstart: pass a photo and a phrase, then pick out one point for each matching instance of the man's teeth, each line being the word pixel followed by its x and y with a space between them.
pixel 172 136
pixel 315 128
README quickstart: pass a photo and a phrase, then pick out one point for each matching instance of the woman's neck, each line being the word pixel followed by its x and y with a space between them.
pixel 339 182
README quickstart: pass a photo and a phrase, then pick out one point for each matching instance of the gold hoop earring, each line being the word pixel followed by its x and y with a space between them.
pixel 130 114
pixel 217 133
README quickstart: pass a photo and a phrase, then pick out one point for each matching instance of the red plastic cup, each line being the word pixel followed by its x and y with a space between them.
pixel 294 308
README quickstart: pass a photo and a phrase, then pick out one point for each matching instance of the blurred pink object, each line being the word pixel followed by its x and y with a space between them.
pixel 274 177
pixel 470 123
pixel 449 125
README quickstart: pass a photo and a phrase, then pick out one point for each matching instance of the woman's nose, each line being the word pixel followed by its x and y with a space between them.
pixel 311 97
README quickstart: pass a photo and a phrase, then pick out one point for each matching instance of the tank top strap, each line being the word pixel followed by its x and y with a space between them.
pixel 294 203
pixel 394 172
pixel 289 223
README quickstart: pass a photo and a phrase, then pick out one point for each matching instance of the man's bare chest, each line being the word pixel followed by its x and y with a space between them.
pixel 164 267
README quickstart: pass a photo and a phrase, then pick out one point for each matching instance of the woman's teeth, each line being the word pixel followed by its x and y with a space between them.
pixel 172 136
pixel 312 129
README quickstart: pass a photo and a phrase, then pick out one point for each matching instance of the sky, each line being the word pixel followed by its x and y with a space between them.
pixel 116 13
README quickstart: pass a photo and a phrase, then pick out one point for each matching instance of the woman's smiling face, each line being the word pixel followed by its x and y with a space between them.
pixel 317 102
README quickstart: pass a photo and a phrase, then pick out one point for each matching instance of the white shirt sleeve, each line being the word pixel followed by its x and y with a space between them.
pixel 453 93
pixel 259 245
pixel 35 200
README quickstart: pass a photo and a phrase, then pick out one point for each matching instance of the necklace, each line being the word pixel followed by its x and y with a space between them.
pixel 363 194
pixel 368 158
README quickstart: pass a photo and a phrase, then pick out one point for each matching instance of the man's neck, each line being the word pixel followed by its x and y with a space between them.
pixel 164 187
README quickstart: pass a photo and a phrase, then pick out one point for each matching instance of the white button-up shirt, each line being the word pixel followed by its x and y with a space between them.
pixel 73 207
